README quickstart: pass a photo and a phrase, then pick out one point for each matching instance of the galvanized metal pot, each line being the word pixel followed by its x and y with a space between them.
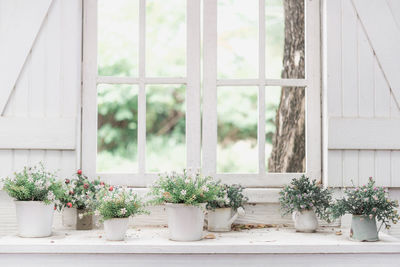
pixel 84 221
pixel 363 228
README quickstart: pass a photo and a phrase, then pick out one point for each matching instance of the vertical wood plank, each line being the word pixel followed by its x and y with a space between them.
pixel 6 159
pixel 395 168
pixel 366 162
pixel 209 157
pixel 335 168
pixel 365 75
pixel 382 168
pixel 382 93
pixel 350 167
pixel 333 52
pixel 349 60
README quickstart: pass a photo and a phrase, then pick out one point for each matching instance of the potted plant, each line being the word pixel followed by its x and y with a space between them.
pixel 185 196
pixel 305 199
pixel 77 201
pixel 367 204
pixel 224 210
pixel 115 205
pixel 36 192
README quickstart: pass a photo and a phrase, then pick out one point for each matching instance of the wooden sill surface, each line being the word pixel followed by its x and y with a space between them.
pixel 155 241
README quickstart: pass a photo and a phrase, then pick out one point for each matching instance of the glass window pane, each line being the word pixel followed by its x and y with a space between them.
pixel 117 128
pixel 238 38
pixel 237 129
pixel 285 145
pixel 165 38
pixel 165 126
pixel 118 35
pixel 284 39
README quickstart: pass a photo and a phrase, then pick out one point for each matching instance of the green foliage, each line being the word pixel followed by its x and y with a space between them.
pixel 33 184
pixel 303 194
pixel 79 192
pixel 229 196
pixel 184 188
pixel 367 200
pixel 118 202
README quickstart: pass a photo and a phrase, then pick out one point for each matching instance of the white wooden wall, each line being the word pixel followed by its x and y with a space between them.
pixel 363 116
pixel 47 91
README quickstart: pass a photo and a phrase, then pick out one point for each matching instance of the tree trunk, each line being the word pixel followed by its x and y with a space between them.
pixel 288 145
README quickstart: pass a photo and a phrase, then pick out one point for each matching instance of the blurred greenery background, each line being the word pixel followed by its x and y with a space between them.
pixel 118 33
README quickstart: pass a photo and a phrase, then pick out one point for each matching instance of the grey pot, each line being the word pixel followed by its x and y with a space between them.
pixel 84 223
pixel 363 228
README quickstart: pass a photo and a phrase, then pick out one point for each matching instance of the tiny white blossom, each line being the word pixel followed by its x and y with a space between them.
pixel 204 188
pixel 80 215
pixel 183 192
pixel 97 213
pixel 123 211
pixel 51 196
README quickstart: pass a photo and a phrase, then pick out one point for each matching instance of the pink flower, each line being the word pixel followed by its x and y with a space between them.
pixel 375 197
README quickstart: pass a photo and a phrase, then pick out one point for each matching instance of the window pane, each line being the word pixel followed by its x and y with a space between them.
pixel 284 39
pixel 118 34
pixel 117 128
pixel 285 145
pixel 237 129
pixel 237 38
pixel 165 125
pixel 166 38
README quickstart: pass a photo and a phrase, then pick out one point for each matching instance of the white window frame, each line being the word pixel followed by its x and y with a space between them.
pixel 208 136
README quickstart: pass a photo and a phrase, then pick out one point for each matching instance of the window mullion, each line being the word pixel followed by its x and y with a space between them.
pixel 261 87
pixel 142 89
pixel 193 95
pixel 209 143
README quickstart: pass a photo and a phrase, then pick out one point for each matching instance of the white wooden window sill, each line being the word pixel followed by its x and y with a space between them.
pixel 155 241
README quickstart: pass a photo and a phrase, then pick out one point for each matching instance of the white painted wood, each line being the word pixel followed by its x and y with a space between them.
pixel 345 133
pixel 263 81
pixel 366 166
pixel 350 167
pixel 34 133
pixel 16 44
pixel 209 131
pixel 89 89
pixel 382 93
pixel 132 80
pixel 365 75
pixel 349 60
pixel 395 168
pixel 261 87
pixel 382 168
pixel 333 46
pixel 335 168
pixel 142 89
pixel 384 38
pixel 193 89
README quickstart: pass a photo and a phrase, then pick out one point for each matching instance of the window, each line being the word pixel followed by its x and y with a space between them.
pixel 222 85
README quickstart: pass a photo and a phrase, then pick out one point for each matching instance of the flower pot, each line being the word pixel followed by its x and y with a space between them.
pixel 69 218
pixel 84 221
pixel 363 228
pixel 116 228
pixel 185 222
pixel 34 218
pixel 305 221
pixel 220 220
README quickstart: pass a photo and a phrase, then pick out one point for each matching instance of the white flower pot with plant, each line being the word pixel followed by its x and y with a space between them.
pixel 223 211
pixel 79 193
pixel 36 192
pixel 115 206
pixel 185 196
pixel 367 204
pixel 305 200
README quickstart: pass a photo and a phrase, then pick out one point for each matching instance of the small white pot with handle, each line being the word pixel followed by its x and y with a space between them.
pixel 305 221
pixel 221 219
pixel 185 222
pixel 34 218
pixel 116 228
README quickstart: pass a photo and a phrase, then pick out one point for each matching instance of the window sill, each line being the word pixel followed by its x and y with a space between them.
pixel 155 241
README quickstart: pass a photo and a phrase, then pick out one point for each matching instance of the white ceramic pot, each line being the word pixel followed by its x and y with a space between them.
pixel 34 218
pixel 185 222
pixel 305 221
pixel 69 218
pixel 220 220
pixel 116 228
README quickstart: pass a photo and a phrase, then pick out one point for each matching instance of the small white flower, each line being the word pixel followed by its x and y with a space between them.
pixel 123 211
pixel 30 179
pixel 204 188
pixel 97 213
pixel 187 180
pixel 47 184
pixel 51 196
pixel 183 192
